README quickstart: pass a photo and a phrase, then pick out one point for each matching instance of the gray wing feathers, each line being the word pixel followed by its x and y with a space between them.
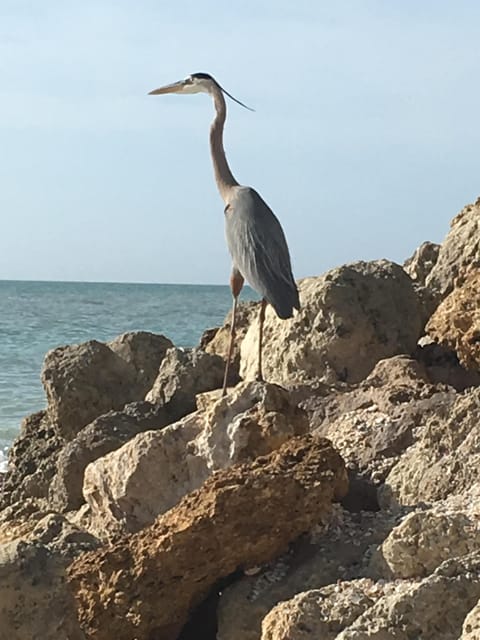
pixel 259 251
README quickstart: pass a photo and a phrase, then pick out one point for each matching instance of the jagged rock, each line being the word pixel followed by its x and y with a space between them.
pixel 32 461
pixel 337 550
pixel 103 435
pixel 144 351
pixel 428 537
pixel 372 423
pixel 34 600
pixel 209 534
pixel 182 375
pixel 320 613
pixel 131 486
pixel 471 625
pixel 458 253
pixel 60 536
pixel 456 322
pixel 433 609
pixel 444 458
pixel 216 341
pixel 350 318
pixel 419 265
pixel 19 519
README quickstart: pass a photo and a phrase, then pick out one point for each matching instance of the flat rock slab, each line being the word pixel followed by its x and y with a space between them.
pixel 145 585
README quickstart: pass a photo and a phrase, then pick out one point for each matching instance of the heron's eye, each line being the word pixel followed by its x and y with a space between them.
pixel 189 80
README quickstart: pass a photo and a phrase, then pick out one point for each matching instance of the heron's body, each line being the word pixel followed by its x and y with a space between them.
pixel 259 250
pixel 254 235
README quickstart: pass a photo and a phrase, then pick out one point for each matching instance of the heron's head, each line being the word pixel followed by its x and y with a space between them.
pixel 196 83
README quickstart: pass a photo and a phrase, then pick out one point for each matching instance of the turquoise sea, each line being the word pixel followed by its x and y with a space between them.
pixel 37 316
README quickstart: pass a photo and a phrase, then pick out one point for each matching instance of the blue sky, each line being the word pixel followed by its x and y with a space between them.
pixel 364 140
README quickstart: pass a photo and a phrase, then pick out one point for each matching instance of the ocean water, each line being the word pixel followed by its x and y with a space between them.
pixel 38 316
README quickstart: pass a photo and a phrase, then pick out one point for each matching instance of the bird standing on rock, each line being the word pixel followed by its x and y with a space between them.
pixel 254 235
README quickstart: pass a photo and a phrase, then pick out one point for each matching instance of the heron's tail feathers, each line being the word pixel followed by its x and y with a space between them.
pixel 286 303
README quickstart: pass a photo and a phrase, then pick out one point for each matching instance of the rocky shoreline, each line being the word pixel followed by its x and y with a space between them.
pixel 339 500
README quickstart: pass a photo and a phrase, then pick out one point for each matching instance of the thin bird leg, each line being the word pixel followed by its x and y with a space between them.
pixel 260 337
pixel 236 284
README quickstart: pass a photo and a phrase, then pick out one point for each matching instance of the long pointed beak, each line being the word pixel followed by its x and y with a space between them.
pixel 176 87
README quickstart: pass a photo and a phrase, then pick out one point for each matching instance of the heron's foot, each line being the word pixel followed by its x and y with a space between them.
pixel 259 377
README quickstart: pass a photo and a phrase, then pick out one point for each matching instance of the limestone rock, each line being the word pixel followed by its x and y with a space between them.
pixel 32 460
pixel 373 423
pixel 118 590
pixel 444 458
pixel 34 600
pixel 427 537
pixel 419 265
pixel 183 374
pixel 433 609
pixel 350 318
pixel 320 613
pixel 19 519
pixel 84 381
pixel 130 487
pixel 456 322
pixel 458 253
pixel 145 352
pixel 471 625
pixel 105 434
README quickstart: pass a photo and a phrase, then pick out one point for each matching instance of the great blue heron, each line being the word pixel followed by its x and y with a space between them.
pixel 255 237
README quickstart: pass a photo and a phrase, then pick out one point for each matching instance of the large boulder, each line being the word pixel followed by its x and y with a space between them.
pixel 444 458
pixel 350 318
pixel 183 374
pixel 456 322
pixel 103 435
pixel 128 488
pixel 459 252
pixel 87 380
pixel 208 535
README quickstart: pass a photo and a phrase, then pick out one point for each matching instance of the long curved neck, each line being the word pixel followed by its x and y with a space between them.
pixel 223 176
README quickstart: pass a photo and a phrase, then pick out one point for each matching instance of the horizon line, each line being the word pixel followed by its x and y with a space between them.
pixel 169 284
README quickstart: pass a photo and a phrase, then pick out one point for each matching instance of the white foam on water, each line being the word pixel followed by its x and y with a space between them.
pixel 3 462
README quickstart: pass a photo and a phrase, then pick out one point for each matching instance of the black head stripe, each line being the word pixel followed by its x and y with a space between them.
pixel 206 76
pixel 202 76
